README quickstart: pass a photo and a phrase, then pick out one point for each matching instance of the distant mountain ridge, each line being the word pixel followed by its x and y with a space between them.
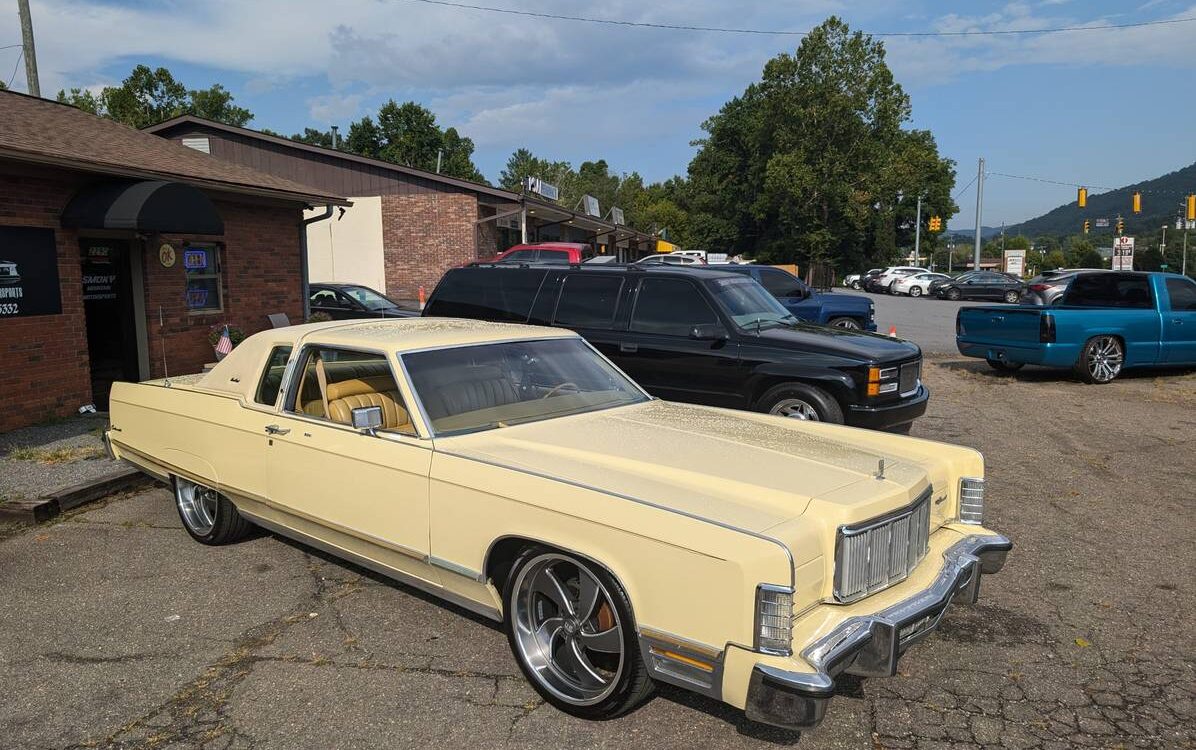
pixel 970 232
pixel 1161 201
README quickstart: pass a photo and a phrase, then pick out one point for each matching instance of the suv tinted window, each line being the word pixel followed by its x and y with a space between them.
pixel 504 295
pixel 554 256
pixel 780 284
pixel 588 301
pixel 1182 293
pixel 1109 290
pixel 524 255
pixel 669 306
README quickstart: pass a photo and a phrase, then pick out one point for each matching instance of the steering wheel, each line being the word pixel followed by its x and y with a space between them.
pixel 561 387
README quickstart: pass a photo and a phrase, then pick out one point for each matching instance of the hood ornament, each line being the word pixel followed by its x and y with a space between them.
pixel 880 469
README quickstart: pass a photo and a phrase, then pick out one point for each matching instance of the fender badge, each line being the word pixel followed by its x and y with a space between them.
pixel 880 469
pixel 940 499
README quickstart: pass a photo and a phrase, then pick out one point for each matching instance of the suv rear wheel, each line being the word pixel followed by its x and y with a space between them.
pixel 848 323
pixel 801 401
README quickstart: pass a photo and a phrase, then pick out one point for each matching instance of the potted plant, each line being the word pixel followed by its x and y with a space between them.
pixel 216 336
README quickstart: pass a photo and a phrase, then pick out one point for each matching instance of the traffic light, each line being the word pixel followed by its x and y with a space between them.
pixel 936 224
pixel 1120 226
pixel 1082 199
pixel 1191 208
pixel 1137 202
pixel 1086 226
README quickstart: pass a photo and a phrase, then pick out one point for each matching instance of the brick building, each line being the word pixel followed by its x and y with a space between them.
pixel 121 250
pixel 406 226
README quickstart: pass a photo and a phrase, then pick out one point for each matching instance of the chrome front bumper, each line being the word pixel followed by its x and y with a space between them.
pixel 870 646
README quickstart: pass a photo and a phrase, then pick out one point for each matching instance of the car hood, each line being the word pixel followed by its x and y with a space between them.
pixel 741 469
pixel 859 345
pixel 842 302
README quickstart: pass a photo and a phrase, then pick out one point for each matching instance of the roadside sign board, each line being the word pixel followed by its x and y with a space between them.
pixel 1015 262
pixel 536 185
pixel 1123 253
pixel 616 215
pixel 591 205
pixel 1102 223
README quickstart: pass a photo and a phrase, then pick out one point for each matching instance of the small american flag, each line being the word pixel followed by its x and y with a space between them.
pixel 225 344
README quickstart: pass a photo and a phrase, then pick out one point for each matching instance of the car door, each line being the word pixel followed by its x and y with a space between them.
pixel 364 493
pixel 1179 322
pixel 587 303
pixel 790 292
pixel 659 352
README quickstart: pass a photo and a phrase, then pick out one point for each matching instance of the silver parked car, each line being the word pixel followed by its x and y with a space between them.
pixel 1047 288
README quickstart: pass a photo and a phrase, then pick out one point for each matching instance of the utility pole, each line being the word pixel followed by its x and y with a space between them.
pixel 918 233
pixel 1184 269
pixel 30 54
pixel 979 210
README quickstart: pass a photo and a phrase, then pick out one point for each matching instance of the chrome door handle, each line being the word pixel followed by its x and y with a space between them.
pixel 273 429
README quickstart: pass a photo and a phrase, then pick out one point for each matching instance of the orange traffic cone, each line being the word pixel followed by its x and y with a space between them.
pixel 893 332
pixel 423 297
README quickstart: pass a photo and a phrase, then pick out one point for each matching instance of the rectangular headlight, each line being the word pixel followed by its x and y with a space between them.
pixel 971 500
pixel 774 619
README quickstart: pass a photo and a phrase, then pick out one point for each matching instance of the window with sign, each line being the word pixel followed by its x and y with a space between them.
pixel 201 263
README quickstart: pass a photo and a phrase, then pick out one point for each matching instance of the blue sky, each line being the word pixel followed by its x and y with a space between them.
pixel 1104 107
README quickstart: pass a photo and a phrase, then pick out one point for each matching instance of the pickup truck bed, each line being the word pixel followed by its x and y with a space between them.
pixel 1152 322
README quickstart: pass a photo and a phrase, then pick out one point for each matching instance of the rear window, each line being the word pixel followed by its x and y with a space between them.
pixel 499 294
pixel 588 301
pixel 1182 293
pixel 1109 290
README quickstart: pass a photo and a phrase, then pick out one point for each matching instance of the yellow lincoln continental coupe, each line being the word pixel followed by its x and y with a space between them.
pixel 619 539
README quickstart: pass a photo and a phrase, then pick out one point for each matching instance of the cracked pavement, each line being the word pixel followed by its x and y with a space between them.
pixel 121 632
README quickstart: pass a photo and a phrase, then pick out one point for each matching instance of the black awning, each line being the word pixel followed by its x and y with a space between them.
pixel 143 205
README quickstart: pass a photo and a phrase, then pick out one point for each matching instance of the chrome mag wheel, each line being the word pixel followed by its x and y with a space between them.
pixel 567 629
pixel 197 505
pixel 1104 358
pixel 795 408
pixel 850 324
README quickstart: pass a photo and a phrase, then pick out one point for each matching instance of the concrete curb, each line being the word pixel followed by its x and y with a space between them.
pixel 37 510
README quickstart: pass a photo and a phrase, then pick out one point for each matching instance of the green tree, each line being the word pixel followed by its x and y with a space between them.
pixel 812 162
pixel 150 96
pixel 314 137
pixel 408 134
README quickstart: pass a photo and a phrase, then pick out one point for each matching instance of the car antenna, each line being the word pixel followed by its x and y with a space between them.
pixel 162 336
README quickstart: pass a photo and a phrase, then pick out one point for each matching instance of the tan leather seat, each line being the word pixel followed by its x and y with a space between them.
pixel 309 397
pixel 379 390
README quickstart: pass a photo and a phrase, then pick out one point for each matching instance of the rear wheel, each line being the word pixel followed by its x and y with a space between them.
pixel 1001 365
pixel 571 629
pixel 801 401
pixel 855 284
pixel 915 291
pixel 207 515
pixel 1012 297
pixel 1101 360
pixel 849 323
pixel 953 294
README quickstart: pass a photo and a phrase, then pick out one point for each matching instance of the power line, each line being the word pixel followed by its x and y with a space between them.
pixel 965 187
pixel 13 77
pixel 12 46
pixel 1049 182
pixel 773 32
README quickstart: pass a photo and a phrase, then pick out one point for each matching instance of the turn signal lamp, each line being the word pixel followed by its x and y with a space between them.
pixel 882 380
pixel 971 500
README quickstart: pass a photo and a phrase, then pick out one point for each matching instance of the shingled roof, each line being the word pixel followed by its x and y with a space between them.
pixel 41 131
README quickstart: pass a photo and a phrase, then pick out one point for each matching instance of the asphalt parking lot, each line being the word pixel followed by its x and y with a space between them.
pixel 119 631
pixel 927 321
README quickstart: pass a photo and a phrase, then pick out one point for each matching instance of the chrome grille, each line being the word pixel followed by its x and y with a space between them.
pixel 876 554
pixel 910 372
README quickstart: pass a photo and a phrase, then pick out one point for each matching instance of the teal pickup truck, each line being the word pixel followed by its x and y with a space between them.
pixel 1107 321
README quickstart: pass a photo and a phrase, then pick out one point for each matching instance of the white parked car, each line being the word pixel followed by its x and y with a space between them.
pixel 672 259
pixel 885 281
pixel 852 280
pixel 917 284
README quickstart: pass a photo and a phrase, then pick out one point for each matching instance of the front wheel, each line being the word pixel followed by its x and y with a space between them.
pixel 570 627
pixel 953 295
pixel 1101 360
pixel 856 285
pixel 208 516
pixel 915 291
pixel 1012 297
pixel 1001 365
pixel 801 401
pixel 849 323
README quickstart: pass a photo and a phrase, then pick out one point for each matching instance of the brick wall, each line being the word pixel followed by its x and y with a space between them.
pixel 44 367
pixel 260 275
pixel 43 359
pixel 425 235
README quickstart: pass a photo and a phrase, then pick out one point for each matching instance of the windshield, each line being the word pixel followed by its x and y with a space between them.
pixel 487 386
pixel 370 299
pixel 747 303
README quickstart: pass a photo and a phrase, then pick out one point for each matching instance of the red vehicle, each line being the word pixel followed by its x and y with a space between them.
pixel 544 252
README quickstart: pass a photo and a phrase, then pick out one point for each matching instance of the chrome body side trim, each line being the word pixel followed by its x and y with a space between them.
pixel 453 567
pixel 871 645
pixel 365 562
pixel 682 662
pixel 581 485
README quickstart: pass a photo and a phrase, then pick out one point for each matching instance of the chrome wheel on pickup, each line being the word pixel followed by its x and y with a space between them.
pixel 207 515
pixel 570 627
pixel 1101 360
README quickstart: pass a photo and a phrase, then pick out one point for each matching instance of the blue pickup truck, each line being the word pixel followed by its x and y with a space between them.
pixel 828 308
pixel 1106 321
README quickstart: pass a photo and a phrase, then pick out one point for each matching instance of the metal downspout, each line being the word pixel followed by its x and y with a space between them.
pixel 303 225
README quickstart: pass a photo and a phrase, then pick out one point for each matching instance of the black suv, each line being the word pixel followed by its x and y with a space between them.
pixel 704 337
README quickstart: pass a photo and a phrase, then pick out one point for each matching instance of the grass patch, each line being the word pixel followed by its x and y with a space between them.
pixel 56 455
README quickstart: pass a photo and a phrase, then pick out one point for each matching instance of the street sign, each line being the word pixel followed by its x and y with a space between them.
pixel 1102 223
pixel 1123 253
pixel 1015 262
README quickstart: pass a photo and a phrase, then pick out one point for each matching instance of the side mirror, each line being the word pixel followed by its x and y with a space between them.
pixel 367 419
pixel 708 332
